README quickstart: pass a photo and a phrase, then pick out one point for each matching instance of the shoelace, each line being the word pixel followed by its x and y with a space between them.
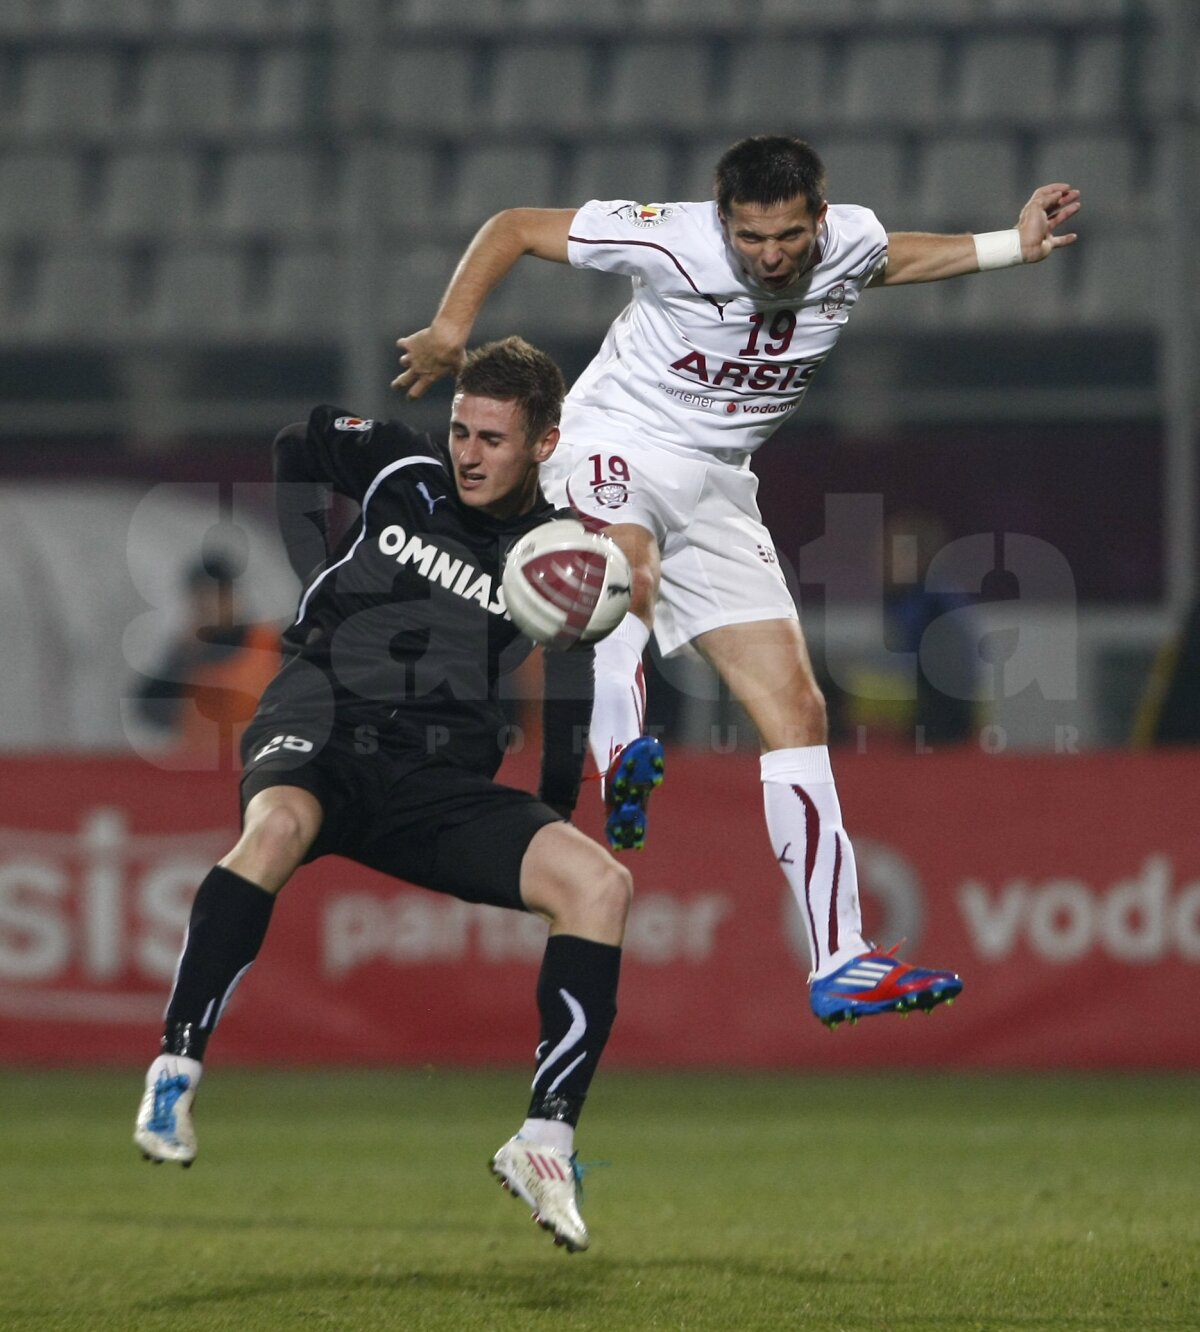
pixel 167 1091
pixel 580 1168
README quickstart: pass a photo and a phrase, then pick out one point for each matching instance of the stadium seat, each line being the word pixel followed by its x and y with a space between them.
pixel 190 90
pixel 788 14
pixel 108 18
pixel 1021 298
pixel 1059 10
pixel 71 93
pixel 20 18
pixel 972 183
pixel 409 187
pixel 79 296
pixel 699 14
pixel 1007 79
pixel 659 85
pixel 270 191
pixel 891 81
pixel 1151 57
pixel 273 17
pixel 1122 279
pixel 643 172
pixel 542 84
pixel 150 192
pixel 198 294
pixel 414 280
pixel 429 88
pixel 694 175
pixel 304 301
pixel 489 179
pixel 1106 166
pixel 460 16
pixel 39 193
pixel 766 73
pixel 921 307
pixel 869 169
pixel 927 11
pixel 288 91
pixel 553 301
pixel 547 15
pixel 1100 79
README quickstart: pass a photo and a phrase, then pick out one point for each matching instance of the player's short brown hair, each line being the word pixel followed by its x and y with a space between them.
pixel 770 169
pixel 512 370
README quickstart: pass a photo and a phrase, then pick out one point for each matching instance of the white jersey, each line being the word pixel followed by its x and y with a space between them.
pixel 703 359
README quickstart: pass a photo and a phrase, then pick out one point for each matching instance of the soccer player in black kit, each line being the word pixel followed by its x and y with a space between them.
pixel 380 737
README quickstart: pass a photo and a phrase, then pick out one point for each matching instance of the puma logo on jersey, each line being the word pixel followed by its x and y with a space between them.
pixel 429 499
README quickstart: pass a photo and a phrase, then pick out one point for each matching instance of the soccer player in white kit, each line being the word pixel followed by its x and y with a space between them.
pixel 735 304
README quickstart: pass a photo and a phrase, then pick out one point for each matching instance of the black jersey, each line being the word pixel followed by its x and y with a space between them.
pixel 403 629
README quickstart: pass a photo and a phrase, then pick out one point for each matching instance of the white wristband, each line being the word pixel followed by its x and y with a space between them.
pixel 998 249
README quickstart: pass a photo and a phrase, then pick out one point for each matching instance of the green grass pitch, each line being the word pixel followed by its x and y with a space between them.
pixel 844 1204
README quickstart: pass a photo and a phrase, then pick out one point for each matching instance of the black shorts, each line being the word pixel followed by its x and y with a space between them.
pixel 432 824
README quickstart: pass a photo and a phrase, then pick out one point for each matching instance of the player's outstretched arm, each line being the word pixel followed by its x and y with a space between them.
pixel 439 349
pixel 921 257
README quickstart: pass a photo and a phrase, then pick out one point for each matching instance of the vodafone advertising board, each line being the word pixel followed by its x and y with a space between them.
pixel 1066 890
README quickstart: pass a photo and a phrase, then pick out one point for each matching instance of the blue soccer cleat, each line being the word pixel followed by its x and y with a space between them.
pixel 878 982
pixel 633 774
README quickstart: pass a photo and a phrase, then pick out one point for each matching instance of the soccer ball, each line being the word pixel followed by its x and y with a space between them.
pixel 565 586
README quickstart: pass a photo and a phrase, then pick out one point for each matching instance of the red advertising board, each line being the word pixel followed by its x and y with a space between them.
pixel 1066 890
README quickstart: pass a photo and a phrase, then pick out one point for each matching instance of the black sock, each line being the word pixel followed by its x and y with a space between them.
pixel 577 1000
pixel 228 923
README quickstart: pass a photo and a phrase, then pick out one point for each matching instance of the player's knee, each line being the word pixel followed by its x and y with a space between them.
pixel 599 903
pixel 643 590
pixel 279 835
pixel 597 898
pixel 612 891
pixel 814 714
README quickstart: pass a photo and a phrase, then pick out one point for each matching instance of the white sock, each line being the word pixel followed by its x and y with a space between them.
pixel 804 821
pixel 619 712
pixel 549 1133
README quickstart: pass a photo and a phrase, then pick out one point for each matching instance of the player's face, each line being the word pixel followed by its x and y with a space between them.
pixel 776 244
pixel 495 461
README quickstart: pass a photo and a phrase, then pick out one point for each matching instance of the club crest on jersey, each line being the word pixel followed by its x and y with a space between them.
pixel 834 302
pixel 612 494
pixel 644 215
pixel 352 423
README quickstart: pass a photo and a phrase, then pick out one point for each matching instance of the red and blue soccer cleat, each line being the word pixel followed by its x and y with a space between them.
pixel 878 982
pixel 633 774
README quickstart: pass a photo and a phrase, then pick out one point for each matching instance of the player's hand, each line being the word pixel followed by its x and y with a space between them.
pixel 425 357
pixel 1048 208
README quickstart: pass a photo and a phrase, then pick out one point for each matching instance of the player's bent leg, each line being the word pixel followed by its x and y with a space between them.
pixel 767 667
pixel 226 927
pixel 278 827
pixel 619 709
pixel 585 895
pixel 576 885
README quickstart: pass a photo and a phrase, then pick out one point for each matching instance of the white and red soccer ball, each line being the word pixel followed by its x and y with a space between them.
pixel 565 586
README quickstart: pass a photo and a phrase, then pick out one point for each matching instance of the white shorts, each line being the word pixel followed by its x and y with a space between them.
pixel 719 564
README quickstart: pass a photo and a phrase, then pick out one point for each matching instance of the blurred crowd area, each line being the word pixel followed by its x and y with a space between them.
pixel 215 213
